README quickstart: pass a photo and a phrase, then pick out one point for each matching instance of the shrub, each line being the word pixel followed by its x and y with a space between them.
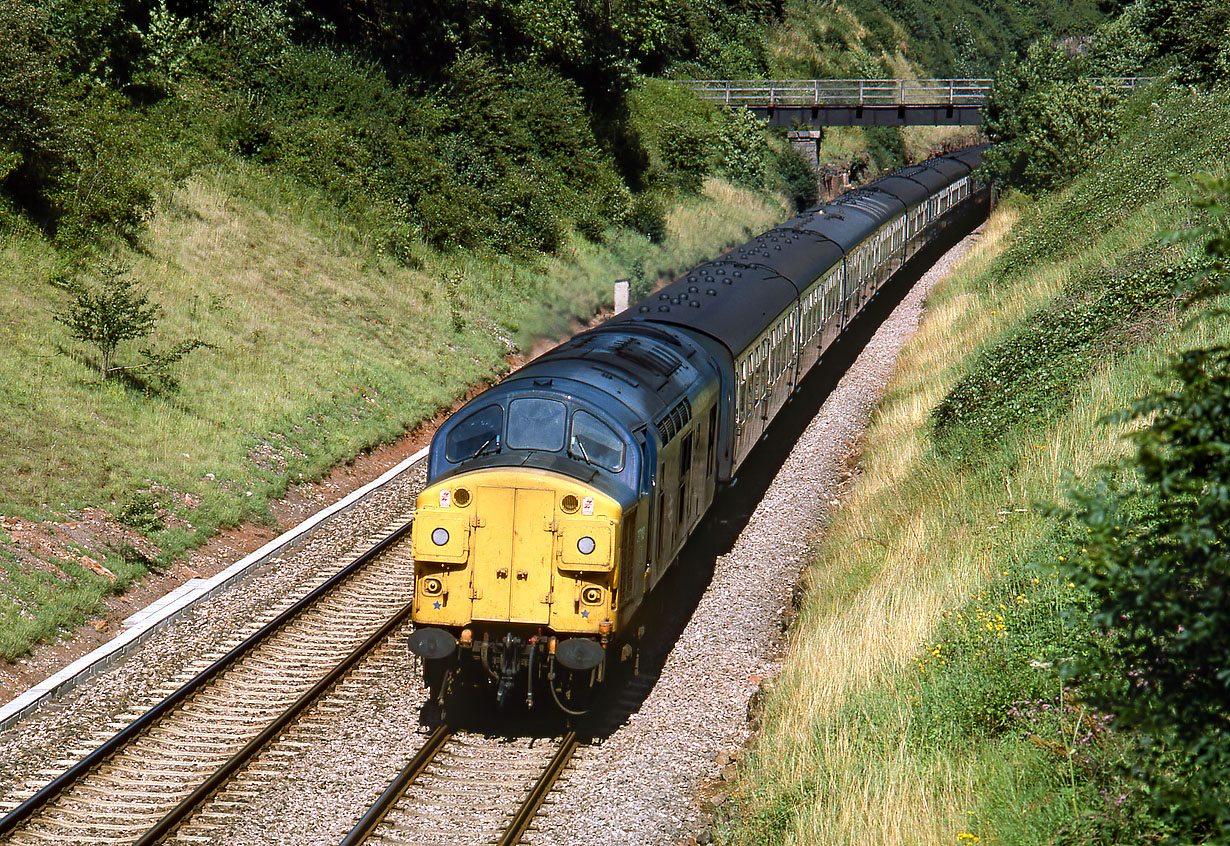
pixel 1159 572
pixel 647 217
pixel 36 133
pixel 741 148
pixel 679 133
pixel 1046 122
pixel 167 43
pixel 683 155
pixel 793 175
pixel 112 312
pixel 1190 33
pixel 499 158
pixel 142 512
pixel 1028 375
pixel 108 314
pixel 65 150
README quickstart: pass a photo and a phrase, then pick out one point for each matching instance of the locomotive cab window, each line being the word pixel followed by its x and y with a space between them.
pixel 476 435
pixel 596 443
pixel 535 423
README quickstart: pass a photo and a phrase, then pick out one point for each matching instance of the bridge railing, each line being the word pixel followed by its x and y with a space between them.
pixel 882 93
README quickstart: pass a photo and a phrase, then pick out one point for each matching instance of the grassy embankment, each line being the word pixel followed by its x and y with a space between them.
pixel 298 193
pixel 920 701
pixel 323 348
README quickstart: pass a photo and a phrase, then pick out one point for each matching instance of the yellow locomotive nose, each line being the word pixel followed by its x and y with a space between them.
pixel 515 546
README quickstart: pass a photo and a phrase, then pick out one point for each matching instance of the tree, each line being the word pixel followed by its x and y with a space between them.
pixel 1192 34
pixel 1159 572
pixel 108 315
pixel 1045 120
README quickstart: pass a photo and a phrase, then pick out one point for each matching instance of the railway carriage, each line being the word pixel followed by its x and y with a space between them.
pixel 558 499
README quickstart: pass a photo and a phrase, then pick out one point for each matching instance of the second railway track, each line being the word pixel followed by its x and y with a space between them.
pixel 156 772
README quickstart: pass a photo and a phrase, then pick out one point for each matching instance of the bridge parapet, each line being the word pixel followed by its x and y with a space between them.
pixel 842 92
pixel 885 102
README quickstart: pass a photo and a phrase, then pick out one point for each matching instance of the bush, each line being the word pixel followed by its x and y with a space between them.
pixel 65 150
pixel 498 158
pixel 1159 572
pixel 1046 122
pixel 1028 376
pixel 683 155
pixel 647 217
pixel 142 511
pixel 36 132
pixel 793 175
pixel 741 148
pixel 1190 33
pixel 679 133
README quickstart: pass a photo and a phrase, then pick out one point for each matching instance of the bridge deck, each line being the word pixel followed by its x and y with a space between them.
pixel 875 102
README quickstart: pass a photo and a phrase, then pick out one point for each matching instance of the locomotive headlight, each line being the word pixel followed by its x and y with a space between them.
pixel 432 586
pixel 439 536
pixel 586 545
pixel 591 595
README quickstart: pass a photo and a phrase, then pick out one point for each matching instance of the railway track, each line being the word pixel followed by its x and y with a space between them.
pixel 461 789
pixel 170 762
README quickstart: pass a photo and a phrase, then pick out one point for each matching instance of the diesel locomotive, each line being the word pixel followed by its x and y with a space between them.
pixel 558 499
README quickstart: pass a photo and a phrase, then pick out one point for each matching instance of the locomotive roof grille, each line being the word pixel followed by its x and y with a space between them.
pixel 654 360
pixel 672 423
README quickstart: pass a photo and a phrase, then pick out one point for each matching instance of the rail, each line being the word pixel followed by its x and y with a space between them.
pixel 62 783
pixel 865 93
pixel 394 791
pixel 529 808
pixel 402 787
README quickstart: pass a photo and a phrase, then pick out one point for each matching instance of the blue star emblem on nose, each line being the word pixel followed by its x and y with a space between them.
pixel 585 614
pixel 437 606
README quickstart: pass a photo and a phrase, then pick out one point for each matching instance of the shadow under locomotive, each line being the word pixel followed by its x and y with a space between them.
pixel 628 683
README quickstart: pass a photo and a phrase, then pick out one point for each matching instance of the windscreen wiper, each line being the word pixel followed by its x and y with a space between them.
pixel 486 443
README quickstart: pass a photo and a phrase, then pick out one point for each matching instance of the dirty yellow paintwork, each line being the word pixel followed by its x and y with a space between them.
pixel 512 553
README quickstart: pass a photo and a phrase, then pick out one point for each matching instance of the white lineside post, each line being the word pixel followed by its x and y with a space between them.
pixel 621 295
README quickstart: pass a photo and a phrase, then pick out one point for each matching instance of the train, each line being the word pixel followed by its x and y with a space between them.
pixel 558 499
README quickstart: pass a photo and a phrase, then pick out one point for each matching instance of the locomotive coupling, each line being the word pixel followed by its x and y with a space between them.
pixel 432 643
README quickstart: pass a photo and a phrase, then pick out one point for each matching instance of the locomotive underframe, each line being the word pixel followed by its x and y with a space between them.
pixel 508 657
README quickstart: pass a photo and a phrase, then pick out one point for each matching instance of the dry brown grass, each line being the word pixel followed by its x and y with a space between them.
pixel 916 537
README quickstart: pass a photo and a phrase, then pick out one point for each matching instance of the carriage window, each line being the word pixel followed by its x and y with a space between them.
pixel 594 442
pixel 477 434
pixel 536 424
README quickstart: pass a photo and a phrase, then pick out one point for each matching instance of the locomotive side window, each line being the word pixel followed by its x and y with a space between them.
pixel 594 442
pixel 535 423
pixel 477 434
pixel 685 466
pixel 711 457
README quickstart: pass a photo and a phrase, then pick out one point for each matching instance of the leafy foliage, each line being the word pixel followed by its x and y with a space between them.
pixel 1159 570
pixel 1190 33
pixel 1046 120
pixel 108 314
pixel 946 38
pixel 64 161
pixel 166 47
pixel 1026 377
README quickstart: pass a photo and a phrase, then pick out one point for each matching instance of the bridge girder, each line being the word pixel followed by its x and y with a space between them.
pixel 826 115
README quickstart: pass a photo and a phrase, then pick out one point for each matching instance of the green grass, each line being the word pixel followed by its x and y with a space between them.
pixel 920 700
pixel 322 347
pixel 40 603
